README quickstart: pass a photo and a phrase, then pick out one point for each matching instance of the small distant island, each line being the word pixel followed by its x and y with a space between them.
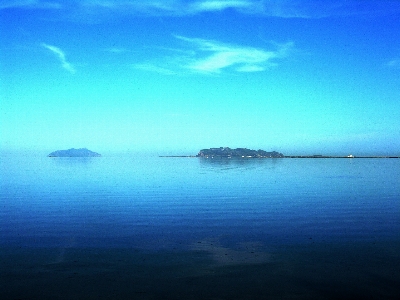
pixel 82 152
pixel 238 152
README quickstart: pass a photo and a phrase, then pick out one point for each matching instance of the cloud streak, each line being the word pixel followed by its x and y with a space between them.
pixel 169 7
pixel 268 8
pixel 213 57
pixel 202 6
pixel 61 57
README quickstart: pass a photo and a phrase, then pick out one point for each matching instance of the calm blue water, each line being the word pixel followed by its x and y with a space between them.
pixel 216 207
pixel 156 202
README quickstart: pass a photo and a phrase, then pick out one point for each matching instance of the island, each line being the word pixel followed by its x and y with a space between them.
pixel 82 152
pixel 226 152
pixel 238 152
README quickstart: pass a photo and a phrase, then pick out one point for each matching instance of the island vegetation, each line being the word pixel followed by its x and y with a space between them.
pixel 81 152
pixel 238 152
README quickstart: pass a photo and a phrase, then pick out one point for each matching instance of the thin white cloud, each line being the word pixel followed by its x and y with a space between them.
pixel 103 9
pixel 61 57
pixel 100 11
pixel 202 6
pixel 169 7
pixel 213 56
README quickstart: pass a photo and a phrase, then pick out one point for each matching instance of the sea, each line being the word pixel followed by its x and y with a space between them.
pixel 149 227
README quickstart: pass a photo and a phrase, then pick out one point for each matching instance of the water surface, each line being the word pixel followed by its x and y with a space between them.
pixel 151 227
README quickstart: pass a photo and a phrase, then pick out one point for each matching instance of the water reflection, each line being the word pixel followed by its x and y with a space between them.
pixel 68 161
pixel 224 163
pixel 242 254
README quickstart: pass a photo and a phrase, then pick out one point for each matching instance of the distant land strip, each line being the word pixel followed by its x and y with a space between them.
pixel 286 156
pixel 226 152
pixel 327 156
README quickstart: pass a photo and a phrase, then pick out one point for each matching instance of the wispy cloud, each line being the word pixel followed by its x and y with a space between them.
pixel 270 8
pixel 201 6
pixel 61 57
pixel 212 57
pixel 169 7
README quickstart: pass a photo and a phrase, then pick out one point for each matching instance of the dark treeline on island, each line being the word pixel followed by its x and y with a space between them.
pixel 226 152
pixel 82 152
pixel 238 152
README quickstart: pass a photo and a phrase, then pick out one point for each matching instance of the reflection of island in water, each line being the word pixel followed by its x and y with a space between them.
pixel 72 162
pixel 224 163
pixel 237 153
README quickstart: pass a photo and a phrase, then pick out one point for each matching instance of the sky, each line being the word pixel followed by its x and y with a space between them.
pixel 174 77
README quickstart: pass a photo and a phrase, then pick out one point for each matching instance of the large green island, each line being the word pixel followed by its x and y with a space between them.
pixel 226 152
pixel 238 152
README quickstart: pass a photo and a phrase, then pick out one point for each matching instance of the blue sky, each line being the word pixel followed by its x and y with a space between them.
pixel 172 77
